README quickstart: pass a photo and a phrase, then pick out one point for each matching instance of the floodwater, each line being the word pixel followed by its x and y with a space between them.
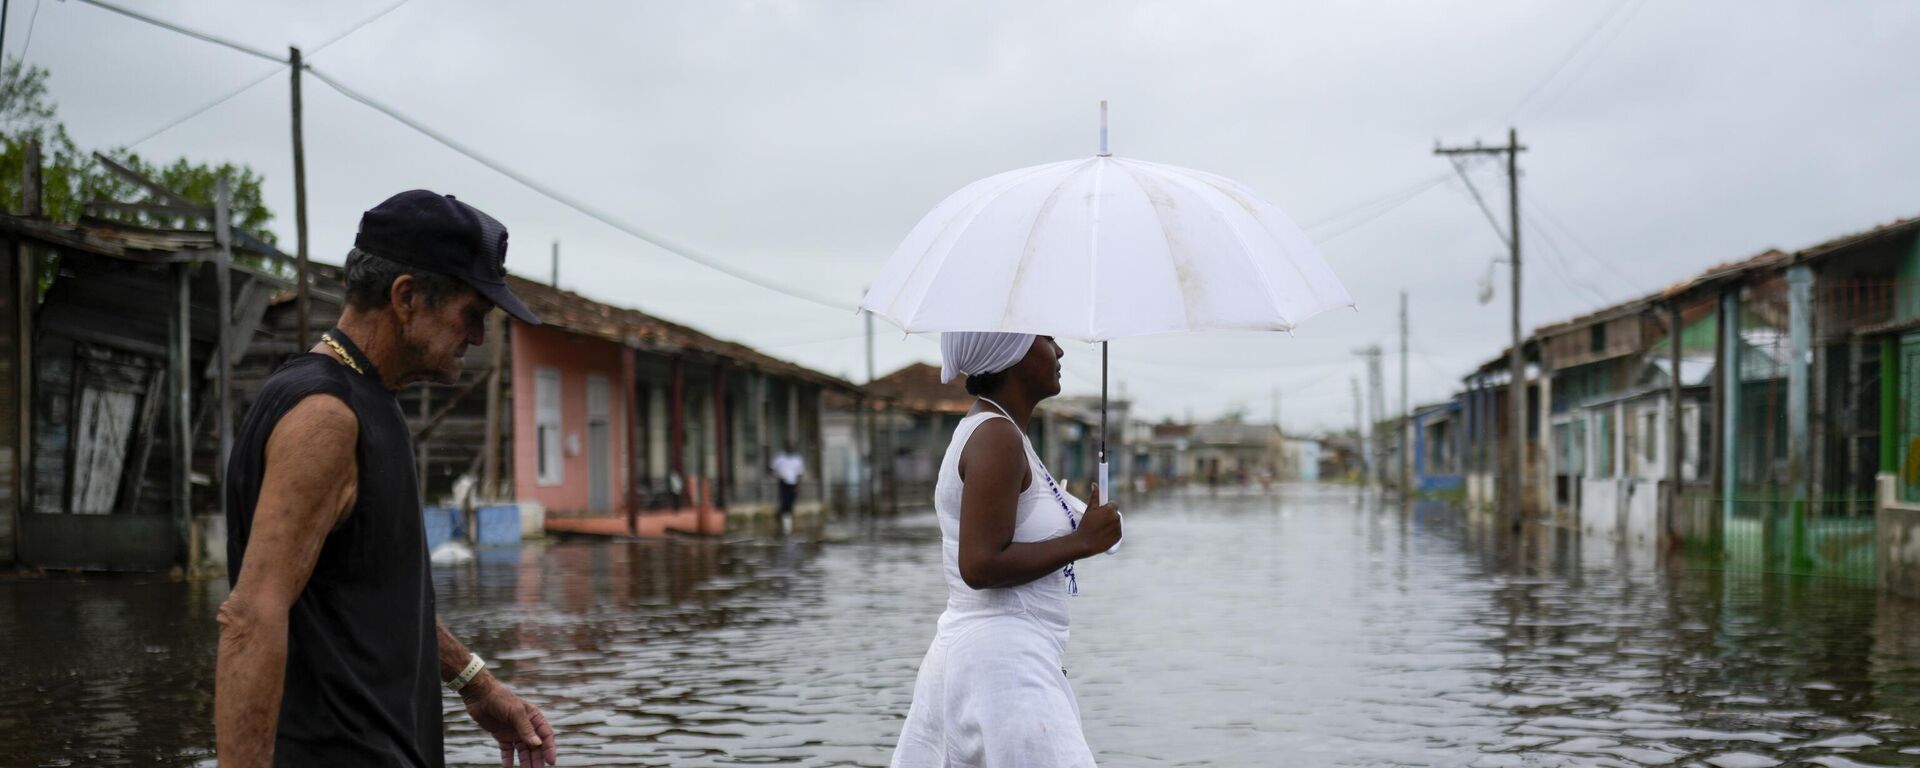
pixel 1307 627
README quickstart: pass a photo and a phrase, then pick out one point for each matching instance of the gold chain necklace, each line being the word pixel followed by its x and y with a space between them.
pixel 342 352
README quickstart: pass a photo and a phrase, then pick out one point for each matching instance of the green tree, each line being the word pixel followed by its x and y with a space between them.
pixel 71 177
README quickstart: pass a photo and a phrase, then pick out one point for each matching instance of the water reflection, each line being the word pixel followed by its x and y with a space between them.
pixel 1312 626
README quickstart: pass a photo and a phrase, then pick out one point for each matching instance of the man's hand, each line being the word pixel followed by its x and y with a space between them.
pixel 518 726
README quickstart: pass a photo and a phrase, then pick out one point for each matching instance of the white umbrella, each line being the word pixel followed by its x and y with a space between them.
pixel 1101 248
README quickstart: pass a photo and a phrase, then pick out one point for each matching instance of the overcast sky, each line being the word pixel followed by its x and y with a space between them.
pixel 802 140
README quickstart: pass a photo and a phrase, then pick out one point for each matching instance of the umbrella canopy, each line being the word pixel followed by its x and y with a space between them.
pixel 1103 248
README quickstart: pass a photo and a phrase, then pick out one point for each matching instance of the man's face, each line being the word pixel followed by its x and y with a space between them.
pixel 438 335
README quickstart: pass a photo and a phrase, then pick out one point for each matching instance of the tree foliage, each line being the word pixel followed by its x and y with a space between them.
pixel 71 177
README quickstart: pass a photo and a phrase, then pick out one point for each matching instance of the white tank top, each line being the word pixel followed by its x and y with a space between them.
pixel 1038 517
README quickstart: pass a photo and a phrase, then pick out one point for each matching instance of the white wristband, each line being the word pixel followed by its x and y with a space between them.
pixel 474 665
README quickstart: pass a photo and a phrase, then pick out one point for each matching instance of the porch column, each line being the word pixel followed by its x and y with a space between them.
pixel 180 365
pixel 1676 442
pixel 1543 437
pixel 1729 402
pixel 1800 341
pixel 630 394
pixel 722 458
pixel 677 430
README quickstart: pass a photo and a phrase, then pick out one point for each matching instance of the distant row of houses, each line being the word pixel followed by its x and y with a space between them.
pixel 127 354
pixel 1764 414
pixel 914 416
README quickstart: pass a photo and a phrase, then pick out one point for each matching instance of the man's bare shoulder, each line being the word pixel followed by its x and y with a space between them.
pixel 318 419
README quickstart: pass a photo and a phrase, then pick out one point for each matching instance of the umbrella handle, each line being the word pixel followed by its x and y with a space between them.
pixel 1106 493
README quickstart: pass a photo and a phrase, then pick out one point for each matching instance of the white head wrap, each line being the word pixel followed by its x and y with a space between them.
pixel 977 352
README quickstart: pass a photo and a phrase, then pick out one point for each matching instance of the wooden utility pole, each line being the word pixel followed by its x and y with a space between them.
pixel 1359 422
pixel 1406 413
pixel 1515 479
pixel 871 472
pixel 223 280
pixel 303 305
pixel 26 296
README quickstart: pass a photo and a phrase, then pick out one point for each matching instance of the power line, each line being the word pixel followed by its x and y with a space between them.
pixel 355 28
pixel 202 36
pixel 1580 69
pixel 1402 200
pixel 472 154
pixel 264 76
pixel 1632 284
pixel 1560 266
pixel 1459 166
pixel 204 108
pixel 1564 60
pixel 31 21
pixel 1365 204
pixel 569 201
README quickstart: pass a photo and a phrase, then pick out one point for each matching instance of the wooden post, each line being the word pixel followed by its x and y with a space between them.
pixel 630 389
pixel 1799 447
pixel 1890 415
pixel 31 198
pixel 721 455
pixel 763 455
pixel 1729 367
pixel 223 278
pixel 26 297
pixel 677 430
pixel 490 453
pixel 1676 447
pixel 180 366
pixel 303 302
pixel 1406 411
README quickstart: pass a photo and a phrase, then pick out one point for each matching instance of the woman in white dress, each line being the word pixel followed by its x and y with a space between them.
pixel 991 692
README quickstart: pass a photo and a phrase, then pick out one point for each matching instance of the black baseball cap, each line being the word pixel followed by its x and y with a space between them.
pixel 437 233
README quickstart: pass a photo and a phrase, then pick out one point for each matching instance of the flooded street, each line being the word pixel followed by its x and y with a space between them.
pixel 1304 628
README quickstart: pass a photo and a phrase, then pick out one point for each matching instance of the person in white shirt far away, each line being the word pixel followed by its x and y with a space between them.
pixel 788 468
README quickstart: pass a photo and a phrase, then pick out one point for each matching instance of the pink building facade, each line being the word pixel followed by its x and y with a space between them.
pixel 570 418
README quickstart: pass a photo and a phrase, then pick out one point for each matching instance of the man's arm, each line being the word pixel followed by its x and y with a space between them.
pixel 517 726
pixel 309 485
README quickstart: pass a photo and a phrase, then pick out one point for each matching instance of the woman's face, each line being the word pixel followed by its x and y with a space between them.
pixel 1039 371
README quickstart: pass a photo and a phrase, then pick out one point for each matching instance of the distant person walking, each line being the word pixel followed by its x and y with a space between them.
pixel 991 692
pixel 788 468
pixel 330 649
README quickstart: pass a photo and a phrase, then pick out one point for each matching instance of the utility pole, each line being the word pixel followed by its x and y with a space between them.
pixel 1359 422
pixel 869 471
pixel 4 7
pixel 1377 406
pixel 1406 412
pixel 556 264
pixel 302 305
pixel 1376 411
pixel 1515 479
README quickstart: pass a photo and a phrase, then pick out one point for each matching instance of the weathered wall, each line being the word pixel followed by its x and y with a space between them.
pixel 1643 512
pixel 1600 507
pixel 1898 526
pixel 575 357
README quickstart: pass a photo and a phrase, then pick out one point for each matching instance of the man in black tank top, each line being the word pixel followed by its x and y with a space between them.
pixel 330 650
